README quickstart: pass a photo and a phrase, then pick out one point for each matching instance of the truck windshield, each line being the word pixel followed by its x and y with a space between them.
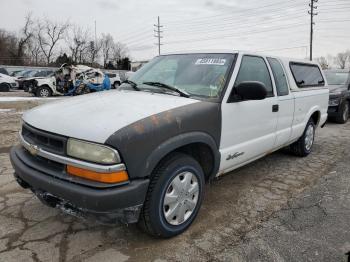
pixel 198 75
pixel 337 78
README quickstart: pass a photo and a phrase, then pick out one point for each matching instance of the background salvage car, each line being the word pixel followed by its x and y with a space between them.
pixel 7 83
pixel 339 97
pixel 70 80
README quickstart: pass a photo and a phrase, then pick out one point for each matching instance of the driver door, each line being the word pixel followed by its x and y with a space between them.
pixel 248 127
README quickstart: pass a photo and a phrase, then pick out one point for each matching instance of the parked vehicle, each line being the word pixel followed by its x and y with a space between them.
pixel 3 71
pixel 70 80
pixel 23 75
pixel 144 152
pixel 114 79
pixel 28 83
pixel 339 96
pixel 16 72
pixel 7 83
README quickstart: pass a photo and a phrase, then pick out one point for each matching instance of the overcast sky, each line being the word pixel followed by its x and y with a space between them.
pixel 273 26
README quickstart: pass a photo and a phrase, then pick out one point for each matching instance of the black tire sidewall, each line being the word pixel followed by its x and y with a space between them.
pixel 304 135
pixel 4 87
pixel 346 105
pixel 41 88
pixel 159 223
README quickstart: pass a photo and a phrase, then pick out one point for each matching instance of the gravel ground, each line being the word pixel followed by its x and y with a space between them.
pixel 280 208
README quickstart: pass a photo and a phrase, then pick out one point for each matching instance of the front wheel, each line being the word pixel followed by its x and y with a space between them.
pixel 303 146
pixel 43 91
pixel 4 87
pixel 174 196
pixel 116 85
pixel 343 116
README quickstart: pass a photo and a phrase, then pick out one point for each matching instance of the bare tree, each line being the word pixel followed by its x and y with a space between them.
pixel 49 34
pixel 341 59
pixel 78 43
pixel 119 51
pixel 107 44
pixel 323 62
pixel 17 44
pixel 35 51
pixel 93 50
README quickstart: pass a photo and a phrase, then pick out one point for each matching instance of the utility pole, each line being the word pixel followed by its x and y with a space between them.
pixel 312 14
pixel 158 32
pixel 95 34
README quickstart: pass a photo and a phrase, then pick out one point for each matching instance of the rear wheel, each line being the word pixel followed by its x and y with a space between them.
pixel 116 85
pixel 43 91
pixel 4 87
pixel 174 196
pixel 343 116
pixel 303 146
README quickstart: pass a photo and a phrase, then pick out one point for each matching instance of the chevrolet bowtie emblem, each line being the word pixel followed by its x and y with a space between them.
pixel 33 149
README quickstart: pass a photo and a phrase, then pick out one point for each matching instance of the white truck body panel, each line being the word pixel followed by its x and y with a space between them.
pixel 251 130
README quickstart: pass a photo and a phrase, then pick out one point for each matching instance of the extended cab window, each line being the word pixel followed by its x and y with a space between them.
pixel 307 75
pixel 254 68
pixel 279 76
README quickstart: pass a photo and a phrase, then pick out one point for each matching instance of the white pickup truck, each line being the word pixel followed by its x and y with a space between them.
pixel 143 153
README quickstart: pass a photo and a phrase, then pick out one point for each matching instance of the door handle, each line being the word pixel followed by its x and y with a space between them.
pixel 275 108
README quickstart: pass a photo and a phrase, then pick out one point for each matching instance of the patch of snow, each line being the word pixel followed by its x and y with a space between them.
pixel 15 99
pixel 4 110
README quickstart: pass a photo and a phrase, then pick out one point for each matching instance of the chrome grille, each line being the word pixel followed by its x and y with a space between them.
pixel 47 141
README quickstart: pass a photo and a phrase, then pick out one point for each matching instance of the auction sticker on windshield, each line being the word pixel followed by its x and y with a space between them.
pixel 210 61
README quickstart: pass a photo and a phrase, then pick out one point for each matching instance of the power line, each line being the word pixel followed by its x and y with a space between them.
pixel 158 34
pixel 257 31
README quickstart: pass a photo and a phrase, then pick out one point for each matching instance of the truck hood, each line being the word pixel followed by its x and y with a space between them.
pixel 95 117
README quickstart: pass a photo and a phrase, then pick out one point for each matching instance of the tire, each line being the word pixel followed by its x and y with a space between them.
pixel 116 85
pixel 4 87
pixel 157 218
pixel 303 146
pixel 343 116
pixel 43 91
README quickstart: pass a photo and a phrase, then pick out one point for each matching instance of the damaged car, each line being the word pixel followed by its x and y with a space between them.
pixel 70 80
pixel 7 83
pixel 29 82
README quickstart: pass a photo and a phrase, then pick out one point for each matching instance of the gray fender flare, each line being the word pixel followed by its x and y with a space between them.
pixel 182 140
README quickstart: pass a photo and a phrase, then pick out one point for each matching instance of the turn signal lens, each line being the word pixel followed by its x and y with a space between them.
pixel 113 177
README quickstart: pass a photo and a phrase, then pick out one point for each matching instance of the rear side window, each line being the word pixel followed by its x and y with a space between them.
pixel 254 68
pixel 307 75
pixel 279 76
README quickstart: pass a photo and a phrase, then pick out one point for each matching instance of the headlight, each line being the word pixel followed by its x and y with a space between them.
pixel 334 101
pixel 92 152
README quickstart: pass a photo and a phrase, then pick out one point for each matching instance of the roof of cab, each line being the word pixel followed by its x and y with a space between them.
pixel 231 51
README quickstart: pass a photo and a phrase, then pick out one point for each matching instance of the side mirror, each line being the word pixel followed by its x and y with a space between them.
pixel 250 90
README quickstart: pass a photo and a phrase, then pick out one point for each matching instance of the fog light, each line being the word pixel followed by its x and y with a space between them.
pixel 113 177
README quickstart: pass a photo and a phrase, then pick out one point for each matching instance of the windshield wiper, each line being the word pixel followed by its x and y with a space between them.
pixel 172 88
pixel 132 84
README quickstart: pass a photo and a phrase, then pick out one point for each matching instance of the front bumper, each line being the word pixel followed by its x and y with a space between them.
pixel 333 111
pixel 109 205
